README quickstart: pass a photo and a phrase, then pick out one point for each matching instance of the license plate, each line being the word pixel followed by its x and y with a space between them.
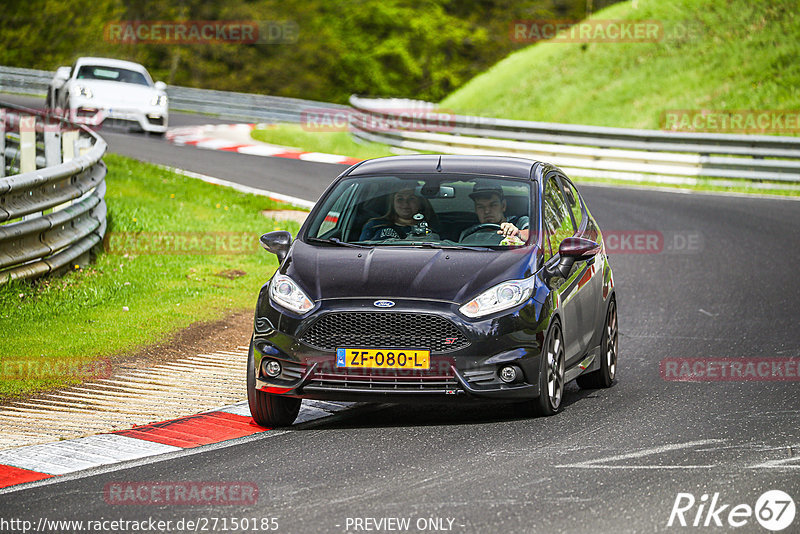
pixel 384 358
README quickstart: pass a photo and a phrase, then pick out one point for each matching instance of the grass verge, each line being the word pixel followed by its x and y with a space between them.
pixel 703 186
pixel 339 143
pixel 712 54
pixel 60 330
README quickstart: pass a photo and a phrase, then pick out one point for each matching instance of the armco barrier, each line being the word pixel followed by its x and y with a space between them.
pixel 585 151
pixel 54 214
pixel 246 106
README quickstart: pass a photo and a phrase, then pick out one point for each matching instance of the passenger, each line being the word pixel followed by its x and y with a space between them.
pixel 398 222
pixel 490 207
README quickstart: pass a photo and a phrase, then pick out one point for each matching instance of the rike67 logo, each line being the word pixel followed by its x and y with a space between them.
pixel 774 510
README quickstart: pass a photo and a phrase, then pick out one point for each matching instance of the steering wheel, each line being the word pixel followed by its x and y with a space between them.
pixel 485 227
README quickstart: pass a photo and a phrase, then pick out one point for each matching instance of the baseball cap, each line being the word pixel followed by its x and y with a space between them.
pixel 485 190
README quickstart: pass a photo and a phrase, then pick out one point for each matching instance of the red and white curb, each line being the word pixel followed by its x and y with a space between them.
pixel 236 138
pixel 38 462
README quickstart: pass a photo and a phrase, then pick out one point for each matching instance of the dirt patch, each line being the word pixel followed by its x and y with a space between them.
pixel 208 337
pixel 198 338
pixel 230 274
pixel 286 215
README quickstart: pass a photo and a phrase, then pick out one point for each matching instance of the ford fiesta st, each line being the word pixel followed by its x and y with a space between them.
pixel 436 278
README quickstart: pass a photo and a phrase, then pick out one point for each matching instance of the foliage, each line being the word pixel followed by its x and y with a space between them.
pixel 401 48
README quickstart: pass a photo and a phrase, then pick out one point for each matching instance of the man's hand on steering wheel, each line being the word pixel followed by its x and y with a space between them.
pixel 507 229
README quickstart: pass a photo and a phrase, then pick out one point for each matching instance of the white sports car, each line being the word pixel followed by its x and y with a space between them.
pixel 97 90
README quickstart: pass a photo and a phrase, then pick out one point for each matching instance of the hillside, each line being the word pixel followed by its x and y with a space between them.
pixel 714 54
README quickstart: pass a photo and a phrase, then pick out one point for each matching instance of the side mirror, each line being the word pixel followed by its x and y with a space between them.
pixel 160 86
pixel 62 73
pixel 573 249
pixel 578 248
pixel 277 242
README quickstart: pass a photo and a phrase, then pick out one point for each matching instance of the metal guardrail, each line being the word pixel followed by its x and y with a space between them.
pixel 585 151
pixel 54 214
pixel 251 107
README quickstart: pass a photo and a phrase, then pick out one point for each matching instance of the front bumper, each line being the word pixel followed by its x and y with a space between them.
pixel 468 372
pixel 94 113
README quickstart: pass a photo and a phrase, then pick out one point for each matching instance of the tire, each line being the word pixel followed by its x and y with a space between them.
pixel 268 410
pixel 551 372
pixel 609 348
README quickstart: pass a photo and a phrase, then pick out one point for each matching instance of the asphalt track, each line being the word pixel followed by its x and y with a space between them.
pixel 723 283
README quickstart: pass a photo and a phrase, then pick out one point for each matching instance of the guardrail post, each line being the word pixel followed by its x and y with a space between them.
pixel 52 143
pixel 68 140
pixel 2 143
pixel 27 144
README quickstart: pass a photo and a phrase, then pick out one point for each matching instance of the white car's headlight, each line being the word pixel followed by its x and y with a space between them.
pixel 159 100
pixel 285 292
pixel 84 91
pixel 500 297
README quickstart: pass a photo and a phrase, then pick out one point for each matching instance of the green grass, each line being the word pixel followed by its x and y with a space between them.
pixel 71 321
pixel 339 143
pixel 716 55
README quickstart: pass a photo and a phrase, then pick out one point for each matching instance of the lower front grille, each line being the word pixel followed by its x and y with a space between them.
pixel 384 384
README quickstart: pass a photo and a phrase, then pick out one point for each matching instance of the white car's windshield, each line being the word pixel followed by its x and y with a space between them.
pixel 111 74
pixel 426 210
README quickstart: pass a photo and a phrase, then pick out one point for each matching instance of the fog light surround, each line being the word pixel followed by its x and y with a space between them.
pixel 509 374
pixel 271 368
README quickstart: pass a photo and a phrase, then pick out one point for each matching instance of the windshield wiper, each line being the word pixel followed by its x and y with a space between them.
pixel 427 244
pixel 334 241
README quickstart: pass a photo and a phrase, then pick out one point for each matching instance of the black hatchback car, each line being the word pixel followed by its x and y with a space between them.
pixel 436 278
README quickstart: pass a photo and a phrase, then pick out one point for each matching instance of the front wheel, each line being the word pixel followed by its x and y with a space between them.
pixel 268 410
pixel 551 372
pixel 604 377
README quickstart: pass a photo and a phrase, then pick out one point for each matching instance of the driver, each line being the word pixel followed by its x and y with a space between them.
pixel 490 207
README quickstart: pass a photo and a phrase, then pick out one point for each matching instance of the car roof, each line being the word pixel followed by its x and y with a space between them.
pixel 108 62
pixel 431 163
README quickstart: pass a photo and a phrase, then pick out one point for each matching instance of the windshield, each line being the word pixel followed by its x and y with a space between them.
pixel 112 74
pixel 441 210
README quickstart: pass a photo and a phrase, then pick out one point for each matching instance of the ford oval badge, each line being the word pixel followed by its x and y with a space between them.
pixel 383 303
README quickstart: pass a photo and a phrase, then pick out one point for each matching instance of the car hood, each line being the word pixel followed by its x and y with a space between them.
pixel 120 93
pixel 330 272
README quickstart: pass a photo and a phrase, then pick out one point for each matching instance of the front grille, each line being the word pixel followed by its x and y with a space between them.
pixel 385 330
pixel 384 384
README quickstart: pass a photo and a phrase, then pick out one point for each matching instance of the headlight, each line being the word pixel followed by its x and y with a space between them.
pixel 500 297
pixel 284 291
pixel 84 91
pixel 159 100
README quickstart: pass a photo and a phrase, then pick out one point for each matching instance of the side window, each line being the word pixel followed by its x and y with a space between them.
pixel 333 222
pixel 557 222
pixel 574 203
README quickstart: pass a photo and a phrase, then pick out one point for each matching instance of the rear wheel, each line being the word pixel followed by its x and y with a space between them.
pixel 551 372
pixel 268 410
pixel 604 377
